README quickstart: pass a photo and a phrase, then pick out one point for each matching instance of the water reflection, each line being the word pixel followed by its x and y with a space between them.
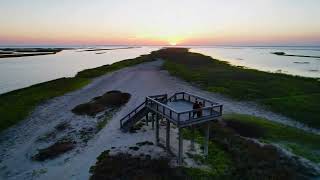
pixel 262 59
pixel 16 73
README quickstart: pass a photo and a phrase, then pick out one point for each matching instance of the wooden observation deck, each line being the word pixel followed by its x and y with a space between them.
pixel 178 110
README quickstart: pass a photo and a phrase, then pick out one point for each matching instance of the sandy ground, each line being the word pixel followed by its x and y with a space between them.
pixel 18 143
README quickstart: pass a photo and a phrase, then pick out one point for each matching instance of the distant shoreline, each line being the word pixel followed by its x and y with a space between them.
pixel 23 52
pixel 293 55
pixel 108 49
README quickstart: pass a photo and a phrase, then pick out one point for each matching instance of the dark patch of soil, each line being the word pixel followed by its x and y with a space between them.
pixel 124 166
pixel 98 104
pixel 54 150
pixel 246 129
pixel 145 143
pixel 135 148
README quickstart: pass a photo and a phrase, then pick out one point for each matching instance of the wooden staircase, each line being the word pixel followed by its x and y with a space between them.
pixel 138 113
pixel 133 117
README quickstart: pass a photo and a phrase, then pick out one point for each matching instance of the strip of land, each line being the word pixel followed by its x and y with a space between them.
pixel 108 49
pixel 22 52
pixel 293 55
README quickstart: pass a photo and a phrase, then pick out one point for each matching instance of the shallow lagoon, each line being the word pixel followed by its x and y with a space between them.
pixel 20 72
pixel 16 73
pixel 262 59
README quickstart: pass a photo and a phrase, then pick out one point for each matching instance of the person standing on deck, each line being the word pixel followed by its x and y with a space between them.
pixel 199 112
pixel 195 107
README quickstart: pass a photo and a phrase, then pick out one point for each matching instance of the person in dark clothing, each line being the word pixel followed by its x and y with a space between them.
pixel 195 106
pixel 199 112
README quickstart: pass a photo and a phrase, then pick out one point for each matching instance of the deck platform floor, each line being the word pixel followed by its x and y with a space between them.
pixel 182 106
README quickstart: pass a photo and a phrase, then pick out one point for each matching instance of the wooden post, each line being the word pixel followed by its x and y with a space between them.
pixel 180 151
pixel 192 139
pixel 152 121
pixel 206 141
pixel 157 130
pixel 168 136
pixel 147 119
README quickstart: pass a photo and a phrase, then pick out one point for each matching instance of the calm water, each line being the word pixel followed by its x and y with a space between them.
pixel 261 58
pixel 16 73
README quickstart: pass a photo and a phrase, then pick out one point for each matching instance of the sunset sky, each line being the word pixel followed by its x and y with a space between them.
pixel 161 22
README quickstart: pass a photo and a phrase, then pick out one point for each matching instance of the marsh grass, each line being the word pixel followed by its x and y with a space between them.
pixel 297 141
pixel 218 160
pixel 245 157
pixel 293 96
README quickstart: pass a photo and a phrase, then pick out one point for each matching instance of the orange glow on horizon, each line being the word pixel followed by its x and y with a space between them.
pixel 173 43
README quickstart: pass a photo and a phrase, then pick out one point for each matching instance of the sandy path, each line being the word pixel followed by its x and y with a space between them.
pixel 141 80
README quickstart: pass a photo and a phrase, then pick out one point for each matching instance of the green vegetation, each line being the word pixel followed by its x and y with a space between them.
pixel 293 96
pixel 16 105
pixel 218 160
pixel 295 140
pixel 102 123
pixel 126 166
pixel 234 157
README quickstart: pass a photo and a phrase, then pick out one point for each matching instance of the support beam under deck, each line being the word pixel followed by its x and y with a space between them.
pixel 192 139
pixel 157 130
pixel 168 136
pixel 180 153
pixel 206 141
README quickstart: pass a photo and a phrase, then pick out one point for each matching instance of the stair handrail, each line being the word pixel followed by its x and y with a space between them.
pixel 129 114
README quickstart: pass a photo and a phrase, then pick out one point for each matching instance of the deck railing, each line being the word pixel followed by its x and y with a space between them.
pixel 158 104
pixel 209 111
pixel 191 98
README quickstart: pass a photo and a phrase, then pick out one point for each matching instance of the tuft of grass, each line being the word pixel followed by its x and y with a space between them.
pixel 293 96
pixel 102 123
pixel 16 105
pixel 297 141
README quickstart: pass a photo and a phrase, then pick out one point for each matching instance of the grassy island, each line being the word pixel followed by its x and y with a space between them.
pixel 22 52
